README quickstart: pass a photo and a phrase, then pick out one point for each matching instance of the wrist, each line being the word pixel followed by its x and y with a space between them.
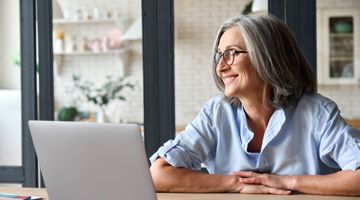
pixel 292 182
pixel 233 184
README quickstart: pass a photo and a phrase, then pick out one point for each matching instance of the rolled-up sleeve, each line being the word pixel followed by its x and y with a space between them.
pixel 176 155
pixel 192 146
pixel 351 158
pixel 340 143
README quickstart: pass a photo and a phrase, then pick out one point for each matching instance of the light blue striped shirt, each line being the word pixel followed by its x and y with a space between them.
pixel 308 138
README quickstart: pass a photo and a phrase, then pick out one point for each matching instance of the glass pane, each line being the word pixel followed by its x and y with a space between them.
pixel 341 47
pixel 196 25
pixel 98 61
pixel 10 97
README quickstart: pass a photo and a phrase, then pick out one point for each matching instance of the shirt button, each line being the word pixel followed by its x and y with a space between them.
pixel 354 144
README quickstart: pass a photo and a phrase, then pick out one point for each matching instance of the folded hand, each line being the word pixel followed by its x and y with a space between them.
pixel 261 183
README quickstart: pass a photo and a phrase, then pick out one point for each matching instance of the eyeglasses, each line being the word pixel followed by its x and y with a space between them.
pixel 228 56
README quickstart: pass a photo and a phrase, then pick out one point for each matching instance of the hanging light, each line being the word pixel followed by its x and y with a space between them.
pixel 259 6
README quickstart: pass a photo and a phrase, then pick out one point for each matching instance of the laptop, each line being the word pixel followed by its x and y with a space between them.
pixel 92 161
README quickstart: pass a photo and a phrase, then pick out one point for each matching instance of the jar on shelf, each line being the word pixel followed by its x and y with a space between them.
pixel 58 40
pixel 70 44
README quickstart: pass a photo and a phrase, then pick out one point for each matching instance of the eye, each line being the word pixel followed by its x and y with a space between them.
pixel 230 52
pixel 234 52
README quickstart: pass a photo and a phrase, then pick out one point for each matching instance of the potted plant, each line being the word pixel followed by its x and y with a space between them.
pixel 110 90
pixel 67 113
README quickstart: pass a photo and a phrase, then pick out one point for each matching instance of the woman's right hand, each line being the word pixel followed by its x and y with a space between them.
pixel 244 188
pixel 260 189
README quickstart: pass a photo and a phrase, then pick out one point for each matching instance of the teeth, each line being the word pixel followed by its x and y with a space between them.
pixel 228 79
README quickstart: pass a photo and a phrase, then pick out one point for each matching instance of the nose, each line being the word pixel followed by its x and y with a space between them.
pixel 221 66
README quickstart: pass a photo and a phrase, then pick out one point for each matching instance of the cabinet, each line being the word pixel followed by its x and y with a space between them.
pixel 92 38
pixel 338 47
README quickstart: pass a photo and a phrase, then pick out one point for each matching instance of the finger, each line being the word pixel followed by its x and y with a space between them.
pixel 245 173
pixel 261 189
pixel 278 191
pixel 253 189
pixel 252 180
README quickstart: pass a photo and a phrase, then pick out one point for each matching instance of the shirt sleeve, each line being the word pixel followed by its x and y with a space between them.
pixel 339 142
pixel 192 146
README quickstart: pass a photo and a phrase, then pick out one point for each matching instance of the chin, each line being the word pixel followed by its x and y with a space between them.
pixel 231 93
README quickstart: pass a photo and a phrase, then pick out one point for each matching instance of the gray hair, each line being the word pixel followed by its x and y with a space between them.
pixel 275 56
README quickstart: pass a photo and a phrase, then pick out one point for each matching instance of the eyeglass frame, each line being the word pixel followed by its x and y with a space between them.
pixel 217 58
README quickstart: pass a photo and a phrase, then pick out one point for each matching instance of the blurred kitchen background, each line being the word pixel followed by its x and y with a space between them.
pixel 98 49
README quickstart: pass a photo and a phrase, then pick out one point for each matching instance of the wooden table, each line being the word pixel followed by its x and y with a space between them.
pixel 40 192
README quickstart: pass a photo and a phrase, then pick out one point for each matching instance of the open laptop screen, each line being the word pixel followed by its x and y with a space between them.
pixel 92 161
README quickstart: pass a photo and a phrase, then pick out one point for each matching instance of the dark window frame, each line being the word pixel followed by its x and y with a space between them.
pixel 28 89
pixel 302 24
pixel 158 72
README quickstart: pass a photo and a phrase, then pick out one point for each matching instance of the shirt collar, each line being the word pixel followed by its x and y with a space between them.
pixel 276 122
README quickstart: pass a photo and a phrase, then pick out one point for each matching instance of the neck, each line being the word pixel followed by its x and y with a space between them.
pixel 258 109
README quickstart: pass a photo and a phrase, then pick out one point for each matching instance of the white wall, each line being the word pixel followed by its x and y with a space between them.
pixel 10 117
pixel 196 25
pixel 1 43
pixel 10 127
pixel 10 44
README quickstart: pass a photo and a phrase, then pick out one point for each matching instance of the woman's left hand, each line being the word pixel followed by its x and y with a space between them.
pixel 274 181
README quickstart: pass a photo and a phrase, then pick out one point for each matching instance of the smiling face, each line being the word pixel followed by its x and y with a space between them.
pixel 239 78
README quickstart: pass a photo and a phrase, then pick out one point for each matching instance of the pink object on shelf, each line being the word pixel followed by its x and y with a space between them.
pixel 115 39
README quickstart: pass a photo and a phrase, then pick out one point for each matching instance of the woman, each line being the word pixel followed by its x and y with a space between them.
pixel 271 133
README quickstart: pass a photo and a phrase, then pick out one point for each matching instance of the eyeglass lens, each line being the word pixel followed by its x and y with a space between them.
pixel 228 56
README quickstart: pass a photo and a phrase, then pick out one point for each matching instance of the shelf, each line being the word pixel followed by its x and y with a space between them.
pixel 75 53
pixel 90 21
pixel 121 54
pixel 346 35
pixel 341 58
